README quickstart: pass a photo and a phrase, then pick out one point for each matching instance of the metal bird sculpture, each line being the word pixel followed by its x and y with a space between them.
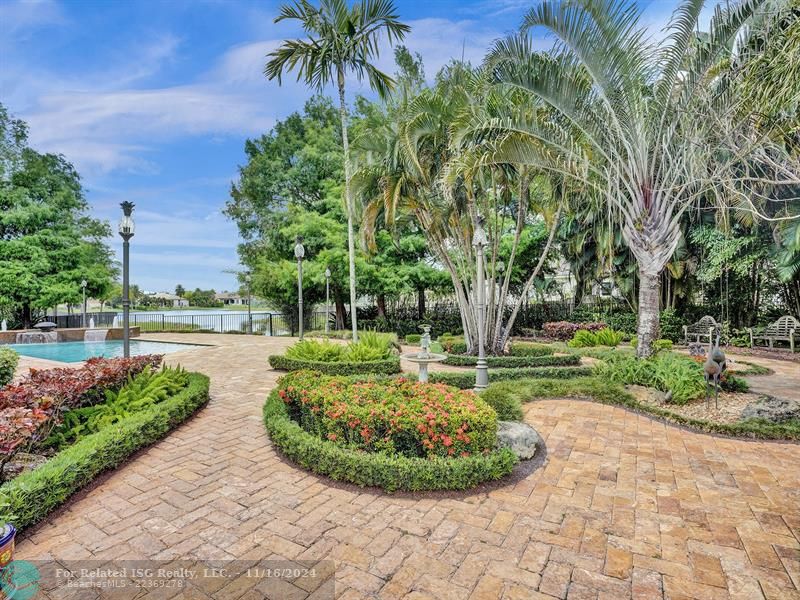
pixel 713 368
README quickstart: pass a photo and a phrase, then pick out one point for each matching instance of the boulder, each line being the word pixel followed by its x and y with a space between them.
pixel 775 410
pixel 521 438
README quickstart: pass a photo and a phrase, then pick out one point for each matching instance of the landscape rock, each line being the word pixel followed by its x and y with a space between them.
pixel 521 438
pixel 775 410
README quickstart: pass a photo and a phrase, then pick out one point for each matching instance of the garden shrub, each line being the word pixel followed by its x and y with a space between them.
pixel 466 380
pixel 665 371
pixel 316 350
pixel 371 346
pixel 467 360
pixel 530 349
pixel 608 337
pixel 380 469
pixel 29 408
pixel 583 339
pixel 658 345
pixel 413 338
pixel 8 365
pixel 588 339
pixel 453 344
pixel 29 498
pixel 143 391
pixel 391 365
pixel 398 416
pixel 564 330
pixel 502 397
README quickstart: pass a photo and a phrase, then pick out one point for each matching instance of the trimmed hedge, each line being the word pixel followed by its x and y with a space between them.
pixel 389 366
pixel 511 362
pixel 389 472
pixel 466 380
pixel 530 349
pixel 413 338
pixel 607 392
pixel 8 364
pixel 29 498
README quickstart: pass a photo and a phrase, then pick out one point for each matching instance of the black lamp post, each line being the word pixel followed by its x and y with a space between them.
pixel 299 253
pixel 126 228
pixel 84 283
pixel 248 278
pixel 479 242
pixel 327 299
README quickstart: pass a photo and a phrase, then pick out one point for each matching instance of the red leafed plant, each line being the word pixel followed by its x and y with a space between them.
pixel 29 409
pixel 564 330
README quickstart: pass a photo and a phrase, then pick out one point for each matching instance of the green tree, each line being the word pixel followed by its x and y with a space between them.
pixel 179 291
pixel 342 40
pixel 648 129
pixel 48 242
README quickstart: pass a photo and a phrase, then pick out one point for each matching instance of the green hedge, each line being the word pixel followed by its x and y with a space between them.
pixel 467 380
pixel 379 367
pixel 530 349
pixel 8 364
pixel 607 392
pixel 29 498
pixel 389 472
pixel 413 338
pixel 512 362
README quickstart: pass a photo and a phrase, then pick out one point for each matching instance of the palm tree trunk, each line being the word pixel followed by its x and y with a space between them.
pixel 648 327
pixel 351 251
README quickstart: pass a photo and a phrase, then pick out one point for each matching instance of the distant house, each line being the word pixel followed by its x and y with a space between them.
pixel 166 299
pixel 231 298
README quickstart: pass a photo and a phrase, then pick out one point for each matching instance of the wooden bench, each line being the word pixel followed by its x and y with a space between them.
pixel 705 329
pixel 785 329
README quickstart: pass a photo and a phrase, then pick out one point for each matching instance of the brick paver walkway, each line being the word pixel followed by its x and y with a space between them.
pixel 622 507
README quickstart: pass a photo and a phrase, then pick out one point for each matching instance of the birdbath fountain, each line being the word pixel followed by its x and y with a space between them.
pixel 424 357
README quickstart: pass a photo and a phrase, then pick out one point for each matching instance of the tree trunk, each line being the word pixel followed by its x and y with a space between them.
pixel 26 316
pixel 341 313
pixel 648 327
pixel 380 300
pixel 421 303
pixel 351 251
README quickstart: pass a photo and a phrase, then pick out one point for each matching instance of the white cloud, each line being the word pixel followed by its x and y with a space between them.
pixel 20 17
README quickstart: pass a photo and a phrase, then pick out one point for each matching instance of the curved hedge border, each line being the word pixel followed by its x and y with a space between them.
pixel 392 473
pixel 389 366
pixel 606 392
pixel 511 362
pixel 29 498
pixel 466 380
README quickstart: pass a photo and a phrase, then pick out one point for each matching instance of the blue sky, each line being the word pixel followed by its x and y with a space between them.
pixel 152 101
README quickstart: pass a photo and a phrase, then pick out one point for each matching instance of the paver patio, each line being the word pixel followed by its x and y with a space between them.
pixel 623 506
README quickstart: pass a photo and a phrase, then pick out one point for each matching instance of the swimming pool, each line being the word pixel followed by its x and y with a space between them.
pixel 70 352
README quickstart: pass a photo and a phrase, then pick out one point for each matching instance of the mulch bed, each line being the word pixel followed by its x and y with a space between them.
pixel 730 408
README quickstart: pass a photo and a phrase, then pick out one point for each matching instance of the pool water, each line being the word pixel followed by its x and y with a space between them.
pixel 71 352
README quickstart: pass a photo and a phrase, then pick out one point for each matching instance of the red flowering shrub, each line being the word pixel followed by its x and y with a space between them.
pixel 397 416
pixel 29 408
pixel 564 330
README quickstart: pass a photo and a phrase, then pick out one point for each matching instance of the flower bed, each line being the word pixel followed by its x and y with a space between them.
pixel 564 330
pixel 30 408
pixel 29 498
pixel 388 366
pixel 467 360
pixel 394 433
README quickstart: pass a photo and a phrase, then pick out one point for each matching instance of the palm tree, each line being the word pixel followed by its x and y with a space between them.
pixel 649 129
pixel 341 40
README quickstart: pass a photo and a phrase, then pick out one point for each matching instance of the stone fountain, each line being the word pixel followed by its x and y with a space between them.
pixel 424 357
pixel 44 335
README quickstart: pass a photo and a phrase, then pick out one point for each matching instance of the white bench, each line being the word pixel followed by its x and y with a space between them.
pixel 784 329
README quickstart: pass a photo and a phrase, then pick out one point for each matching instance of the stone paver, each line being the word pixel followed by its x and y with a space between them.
pixel 623 506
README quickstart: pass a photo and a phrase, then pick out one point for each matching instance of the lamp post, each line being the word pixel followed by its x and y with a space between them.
pixel 299 253
pixel 327 299
pixel 126 228
pixel 248 279
pixel 83 316
pixel 479 242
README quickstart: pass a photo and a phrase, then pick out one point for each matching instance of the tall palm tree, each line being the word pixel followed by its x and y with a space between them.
pixel 341 40
pixel 647 127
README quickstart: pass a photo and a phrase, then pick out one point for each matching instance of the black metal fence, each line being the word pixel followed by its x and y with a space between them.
pixel 260 323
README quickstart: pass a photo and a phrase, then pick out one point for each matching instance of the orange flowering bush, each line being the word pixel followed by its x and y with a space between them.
pixel 396 416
